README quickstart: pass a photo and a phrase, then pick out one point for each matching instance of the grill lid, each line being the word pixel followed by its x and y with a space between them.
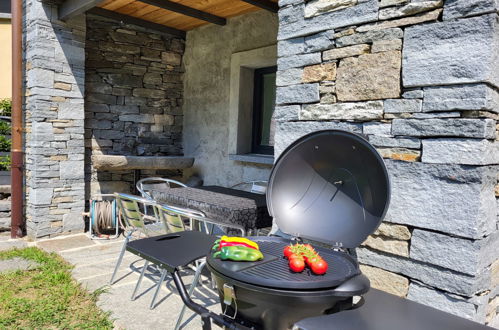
pixel 330 186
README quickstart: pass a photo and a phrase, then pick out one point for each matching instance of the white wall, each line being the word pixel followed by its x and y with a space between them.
pixel 207 61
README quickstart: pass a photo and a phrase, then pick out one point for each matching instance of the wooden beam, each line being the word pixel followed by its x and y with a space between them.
pixel 136 21
pixel 187 11
pixel 70 8
pixel 264 4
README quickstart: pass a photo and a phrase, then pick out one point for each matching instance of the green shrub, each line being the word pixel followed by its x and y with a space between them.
pixel 5 107
pixel 5 163
pixel 5 143
pixel 4 128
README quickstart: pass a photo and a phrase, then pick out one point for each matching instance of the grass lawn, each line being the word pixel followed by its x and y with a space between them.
pixel 46 297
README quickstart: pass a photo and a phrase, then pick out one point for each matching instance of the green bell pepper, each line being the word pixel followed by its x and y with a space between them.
pixel 238 253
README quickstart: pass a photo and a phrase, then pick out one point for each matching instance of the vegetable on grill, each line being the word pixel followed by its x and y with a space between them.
pixel 319 267
pixel 238 253
pixel 301 254
pixel 234 241
pixel 297 264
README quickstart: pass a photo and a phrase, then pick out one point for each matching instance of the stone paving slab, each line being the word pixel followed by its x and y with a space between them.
pixel 12 243
pixel 94 254
pixel 130 261
pixel 65 243
pixel 137 315
pixel 17 264
pixel 4 236
pixel 101 281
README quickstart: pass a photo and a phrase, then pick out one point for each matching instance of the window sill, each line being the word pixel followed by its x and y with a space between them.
pixel 253 158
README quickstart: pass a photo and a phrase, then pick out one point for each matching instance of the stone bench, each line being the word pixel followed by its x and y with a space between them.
pixel 117 162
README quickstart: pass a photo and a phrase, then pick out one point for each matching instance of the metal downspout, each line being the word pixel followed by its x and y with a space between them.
pixel 17 223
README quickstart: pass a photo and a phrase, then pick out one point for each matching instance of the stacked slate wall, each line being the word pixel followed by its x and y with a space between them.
pixel 133 98
pixel 419 79
pixel 54 72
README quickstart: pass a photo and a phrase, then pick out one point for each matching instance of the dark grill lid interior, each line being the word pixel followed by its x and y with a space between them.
pixel 273 271
pixel 329 186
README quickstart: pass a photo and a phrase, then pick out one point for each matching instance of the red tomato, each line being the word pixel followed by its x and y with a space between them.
pixel 319 267
pixel 308 246
pixel 296 265
pixel 287 251
pixel 312 260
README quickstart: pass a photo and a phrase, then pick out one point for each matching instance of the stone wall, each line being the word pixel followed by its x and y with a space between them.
pixel 133 102
pixel 419 79
pixel 54 114
pixel 207 88
pixel 5 208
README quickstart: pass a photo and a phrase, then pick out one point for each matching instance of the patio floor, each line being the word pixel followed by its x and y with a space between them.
pixel 94 262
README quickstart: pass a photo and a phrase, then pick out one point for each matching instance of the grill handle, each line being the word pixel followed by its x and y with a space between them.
pixel 206 315
pixel 356 286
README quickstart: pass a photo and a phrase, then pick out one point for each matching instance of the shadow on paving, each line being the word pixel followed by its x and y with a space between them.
pixel 94 263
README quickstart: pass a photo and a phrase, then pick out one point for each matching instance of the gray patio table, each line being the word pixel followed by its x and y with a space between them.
pixel 229 206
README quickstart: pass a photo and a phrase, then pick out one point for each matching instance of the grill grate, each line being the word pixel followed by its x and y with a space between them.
pixel 338 268
pixel 274 271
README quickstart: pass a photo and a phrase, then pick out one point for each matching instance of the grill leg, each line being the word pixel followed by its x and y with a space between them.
pixel 158 286
pixel 140 280
pixel 205 321
pixel 195 281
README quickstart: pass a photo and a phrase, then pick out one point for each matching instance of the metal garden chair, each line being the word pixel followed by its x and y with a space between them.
pixel 257 187
pixel 173 217
pixel 146 185
pixel 137 224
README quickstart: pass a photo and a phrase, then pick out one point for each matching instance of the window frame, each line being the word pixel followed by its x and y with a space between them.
pixel 256 131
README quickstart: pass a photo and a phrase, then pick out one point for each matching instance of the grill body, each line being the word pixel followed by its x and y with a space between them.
pixel 331 187
pixel 269 296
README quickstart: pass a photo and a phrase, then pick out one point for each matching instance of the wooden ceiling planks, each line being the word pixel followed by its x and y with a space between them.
pixel 115 4
pixel 222 8
pixel 217 7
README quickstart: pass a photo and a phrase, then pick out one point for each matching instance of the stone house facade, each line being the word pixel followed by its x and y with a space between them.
pixel 419 79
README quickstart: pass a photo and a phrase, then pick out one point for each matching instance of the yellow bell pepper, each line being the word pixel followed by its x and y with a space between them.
pixel 236 239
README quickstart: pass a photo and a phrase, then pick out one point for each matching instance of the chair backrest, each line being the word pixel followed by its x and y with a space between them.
pixel 146 185
pixel 173 217
pixel 257 187
pixel 132 211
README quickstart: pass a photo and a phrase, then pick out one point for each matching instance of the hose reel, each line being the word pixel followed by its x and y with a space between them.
pixel 104 217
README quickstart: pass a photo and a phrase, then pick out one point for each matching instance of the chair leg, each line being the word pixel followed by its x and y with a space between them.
pixel 140 279
pixel 191 290
pixel 158 286
pixel 120 258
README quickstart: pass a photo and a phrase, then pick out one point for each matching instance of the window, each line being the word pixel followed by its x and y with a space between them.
pixel 252 94
pixel 263 108
pixel 4 7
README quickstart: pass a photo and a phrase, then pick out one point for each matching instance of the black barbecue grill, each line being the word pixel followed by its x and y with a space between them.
pixel 330 187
